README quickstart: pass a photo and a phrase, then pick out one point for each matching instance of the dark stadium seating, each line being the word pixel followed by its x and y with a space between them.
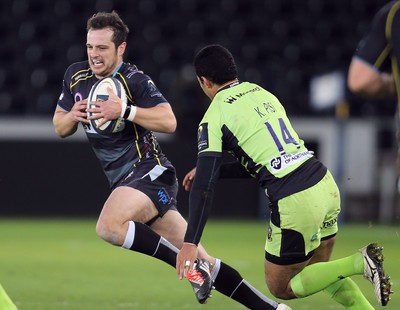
pixel 279 43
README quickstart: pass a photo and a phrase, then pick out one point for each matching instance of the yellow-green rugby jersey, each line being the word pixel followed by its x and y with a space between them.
pixel 252 124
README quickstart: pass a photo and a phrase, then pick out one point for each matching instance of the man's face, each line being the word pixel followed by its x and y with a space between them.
pixel 104 57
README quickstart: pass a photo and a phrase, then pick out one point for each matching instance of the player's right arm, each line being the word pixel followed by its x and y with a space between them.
pixel 367 74
pixel 368 81
pixel 66 123
pixel 71 107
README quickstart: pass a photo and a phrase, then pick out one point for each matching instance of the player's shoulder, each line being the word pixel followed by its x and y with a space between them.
pixel 390 8
pixel 131 72
pixel 137 81
pixel 78 70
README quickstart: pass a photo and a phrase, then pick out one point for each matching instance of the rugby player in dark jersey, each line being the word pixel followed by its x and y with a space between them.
pixel 251 124
pixel 375 67
pixel 140 214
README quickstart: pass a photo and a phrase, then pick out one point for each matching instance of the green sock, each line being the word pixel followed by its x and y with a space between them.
pixel 5 301
pixel 348 294
pixel 318 276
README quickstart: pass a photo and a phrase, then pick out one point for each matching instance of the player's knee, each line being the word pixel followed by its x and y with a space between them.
pixel 107 233
pixel 280 291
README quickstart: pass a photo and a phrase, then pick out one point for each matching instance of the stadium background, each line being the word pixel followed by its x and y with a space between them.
pixel 281 44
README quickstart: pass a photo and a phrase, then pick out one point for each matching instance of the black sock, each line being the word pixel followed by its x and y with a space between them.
pixel 141 238
pixel 230 283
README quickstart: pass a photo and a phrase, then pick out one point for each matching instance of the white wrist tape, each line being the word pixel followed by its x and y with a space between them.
pixel 132 113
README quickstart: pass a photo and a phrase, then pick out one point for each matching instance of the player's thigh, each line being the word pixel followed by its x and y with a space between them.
pixel 127 204
pixel 172 226
pixel 278 278
pixel 324 251
pixel 300 221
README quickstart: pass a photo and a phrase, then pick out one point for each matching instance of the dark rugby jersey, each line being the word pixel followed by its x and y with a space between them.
pixel 119 152
pixel 380 47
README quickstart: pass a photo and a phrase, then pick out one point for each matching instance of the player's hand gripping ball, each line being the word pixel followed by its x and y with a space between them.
pixel 99 93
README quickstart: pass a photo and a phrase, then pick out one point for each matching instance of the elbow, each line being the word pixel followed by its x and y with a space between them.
pixel 173 127
pixel 170 125
pixel 356 86
pixel 60 133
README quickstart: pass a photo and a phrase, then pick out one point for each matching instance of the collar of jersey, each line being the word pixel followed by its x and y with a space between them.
pixel 229 86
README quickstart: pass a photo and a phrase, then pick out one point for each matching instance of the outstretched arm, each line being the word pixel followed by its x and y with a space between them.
pixel 233 170
pixel 200 202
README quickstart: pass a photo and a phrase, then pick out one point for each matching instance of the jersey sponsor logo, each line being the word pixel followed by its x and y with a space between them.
pixel 287 160
pixel 163 196
pixel 276 163
pixel 232 99
pixel 80 76
pixel 151 88
pixel 257 88
pixel 202 137
pixel 329 223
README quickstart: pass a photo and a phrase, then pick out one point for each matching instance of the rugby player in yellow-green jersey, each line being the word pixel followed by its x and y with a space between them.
pixel 251 124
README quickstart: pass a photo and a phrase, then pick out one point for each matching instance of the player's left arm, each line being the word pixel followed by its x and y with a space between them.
pixel 151 110
pixel 160 118
pixel 200 203
pixel 232 170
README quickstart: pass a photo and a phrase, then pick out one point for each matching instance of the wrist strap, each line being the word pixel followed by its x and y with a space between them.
pixel 130 113
pixel 126 112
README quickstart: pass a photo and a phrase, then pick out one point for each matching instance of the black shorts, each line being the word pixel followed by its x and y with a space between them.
pixel 157 181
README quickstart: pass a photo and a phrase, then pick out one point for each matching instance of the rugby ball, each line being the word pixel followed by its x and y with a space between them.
pixel 98 93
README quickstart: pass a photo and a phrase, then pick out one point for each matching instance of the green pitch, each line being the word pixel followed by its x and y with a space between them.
pixel 62 264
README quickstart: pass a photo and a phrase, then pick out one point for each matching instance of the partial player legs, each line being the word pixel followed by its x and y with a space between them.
pixel 123 205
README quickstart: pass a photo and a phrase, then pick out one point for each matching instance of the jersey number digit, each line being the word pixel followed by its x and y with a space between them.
pixel 286 136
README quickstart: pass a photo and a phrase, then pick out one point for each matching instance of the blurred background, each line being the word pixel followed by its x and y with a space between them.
pixel 300 51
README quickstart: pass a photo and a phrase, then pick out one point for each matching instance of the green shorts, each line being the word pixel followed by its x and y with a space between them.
pixel 299 222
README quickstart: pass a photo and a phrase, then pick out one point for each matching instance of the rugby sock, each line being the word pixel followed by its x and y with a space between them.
pixel 5 301
pixel 318 276
pixel 348 294
pixel 140 238
pixel 230 283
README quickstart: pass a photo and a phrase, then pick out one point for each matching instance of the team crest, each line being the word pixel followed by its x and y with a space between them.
pixel 151 88
pixel 202 137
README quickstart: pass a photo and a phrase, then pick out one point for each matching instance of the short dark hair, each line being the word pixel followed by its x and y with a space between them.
pixel 111 20
pixel 216 63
